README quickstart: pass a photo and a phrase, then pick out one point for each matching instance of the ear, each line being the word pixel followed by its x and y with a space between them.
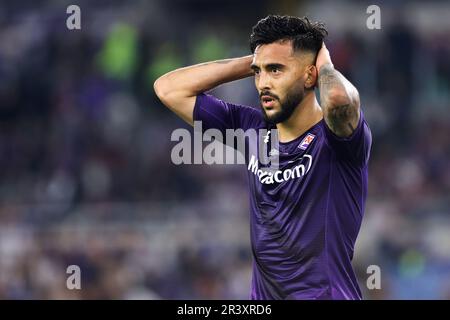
pixel 311 76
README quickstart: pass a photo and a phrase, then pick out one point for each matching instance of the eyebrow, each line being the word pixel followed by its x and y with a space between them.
pixel 254 67
pixel 269 66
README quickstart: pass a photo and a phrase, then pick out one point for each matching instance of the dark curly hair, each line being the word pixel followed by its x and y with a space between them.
pixel 305 35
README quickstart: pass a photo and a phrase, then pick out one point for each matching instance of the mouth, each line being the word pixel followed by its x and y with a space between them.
pixel 267 102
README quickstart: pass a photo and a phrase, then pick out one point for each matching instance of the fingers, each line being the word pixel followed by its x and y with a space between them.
pixel 323 57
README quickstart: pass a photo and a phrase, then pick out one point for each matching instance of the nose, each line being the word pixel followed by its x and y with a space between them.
pixel 264 82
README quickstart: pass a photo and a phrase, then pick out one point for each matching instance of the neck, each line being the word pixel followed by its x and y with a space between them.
pixel 307 114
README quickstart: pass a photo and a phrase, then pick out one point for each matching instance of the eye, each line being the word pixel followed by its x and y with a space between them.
pixel 275 70
pixel 257 71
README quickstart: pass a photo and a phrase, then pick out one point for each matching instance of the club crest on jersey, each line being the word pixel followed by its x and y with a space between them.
pixel 306 141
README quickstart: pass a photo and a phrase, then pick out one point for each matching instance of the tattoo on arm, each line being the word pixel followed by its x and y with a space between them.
pixel 351 127
pixel 339 115
pixel 340 118
pixel 327 76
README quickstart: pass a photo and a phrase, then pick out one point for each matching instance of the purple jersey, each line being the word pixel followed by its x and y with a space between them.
pixel 306 216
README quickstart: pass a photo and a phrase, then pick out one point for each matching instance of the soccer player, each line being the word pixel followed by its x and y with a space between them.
pixel 306 216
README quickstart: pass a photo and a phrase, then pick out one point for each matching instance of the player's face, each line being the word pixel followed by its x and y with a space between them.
pixel 280 78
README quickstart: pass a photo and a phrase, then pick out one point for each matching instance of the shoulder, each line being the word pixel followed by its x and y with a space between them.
pixel 244 116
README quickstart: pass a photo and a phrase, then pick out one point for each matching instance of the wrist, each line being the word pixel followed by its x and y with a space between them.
pixel 245 65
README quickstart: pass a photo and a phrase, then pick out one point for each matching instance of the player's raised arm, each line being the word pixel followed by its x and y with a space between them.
pixel 178 89
pixel 339 98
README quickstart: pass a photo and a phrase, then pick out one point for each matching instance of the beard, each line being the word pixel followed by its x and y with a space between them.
pixel 287 106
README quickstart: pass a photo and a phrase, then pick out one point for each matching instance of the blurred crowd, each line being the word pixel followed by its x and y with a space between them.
pixel 86 176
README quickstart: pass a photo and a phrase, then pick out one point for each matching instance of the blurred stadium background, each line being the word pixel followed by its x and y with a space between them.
pixel 85 170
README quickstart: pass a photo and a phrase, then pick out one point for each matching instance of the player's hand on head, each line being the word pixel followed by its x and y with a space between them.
pixel 323 57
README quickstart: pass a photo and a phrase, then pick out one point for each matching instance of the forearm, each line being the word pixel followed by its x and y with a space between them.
pixel 178 89
pixel 339 101
pixel 192 80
